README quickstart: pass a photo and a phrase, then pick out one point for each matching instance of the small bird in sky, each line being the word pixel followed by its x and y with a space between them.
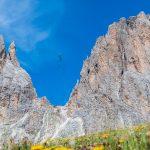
pixel 60 57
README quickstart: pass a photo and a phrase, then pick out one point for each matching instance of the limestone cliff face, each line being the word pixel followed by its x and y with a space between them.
pixel 114 89
pixel 113 92
pixel 16 89
pixel 22 114
pixel 2 53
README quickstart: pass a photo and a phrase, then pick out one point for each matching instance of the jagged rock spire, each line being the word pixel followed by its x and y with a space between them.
pixel 12 54
pixel 2 49
pixel 141 14
pixel 2 52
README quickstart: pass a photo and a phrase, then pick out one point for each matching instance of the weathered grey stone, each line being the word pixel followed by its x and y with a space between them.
pixel 113 91
pixel 2 52
pixel 72 127
pixel 12 54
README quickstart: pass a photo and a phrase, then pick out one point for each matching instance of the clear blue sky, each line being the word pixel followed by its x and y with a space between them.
pixel 53 37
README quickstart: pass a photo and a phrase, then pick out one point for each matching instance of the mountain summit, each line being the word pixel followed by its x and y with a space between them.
pixel 113 92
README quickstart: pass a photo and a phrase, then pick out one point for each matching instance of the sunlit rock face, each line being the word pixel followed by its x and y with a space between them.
pixel 113 91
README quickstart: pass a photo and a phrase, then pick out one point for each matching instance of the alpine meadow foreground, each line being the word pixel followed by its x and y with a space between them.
pixel 134 138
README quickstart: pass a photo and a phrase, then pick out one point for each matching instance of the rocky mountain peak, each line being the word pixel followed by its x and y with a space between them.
pixel 2 52
pixel 115 79
pixel 2 48
pixel 12 54
pixel 141 14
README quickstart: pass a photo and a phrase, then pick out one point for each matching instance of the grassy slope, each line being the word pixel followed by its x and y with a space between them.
pixel 135 138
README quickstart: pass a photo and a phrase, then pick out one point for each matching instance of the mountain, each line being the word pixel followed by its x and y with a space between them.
pixel 113 91
pixel 22 113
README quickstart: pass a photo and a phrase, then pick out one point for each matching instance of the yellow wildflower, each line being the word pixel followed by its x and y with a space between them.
pixel 62 148
pixel 101 147
pixel 121 141
pixel 37 147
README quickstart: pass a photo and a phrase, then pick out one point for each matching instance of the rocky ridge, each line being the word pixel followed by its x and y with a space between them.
pixel 114 88
pixel 113 91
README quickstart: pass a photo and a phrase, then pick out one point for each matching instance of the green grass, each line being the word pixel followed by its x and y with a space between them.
pixel 134 138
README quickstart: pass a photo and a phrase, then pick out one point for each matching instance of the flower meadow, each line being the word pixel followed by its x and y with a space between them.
pixel 134 138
